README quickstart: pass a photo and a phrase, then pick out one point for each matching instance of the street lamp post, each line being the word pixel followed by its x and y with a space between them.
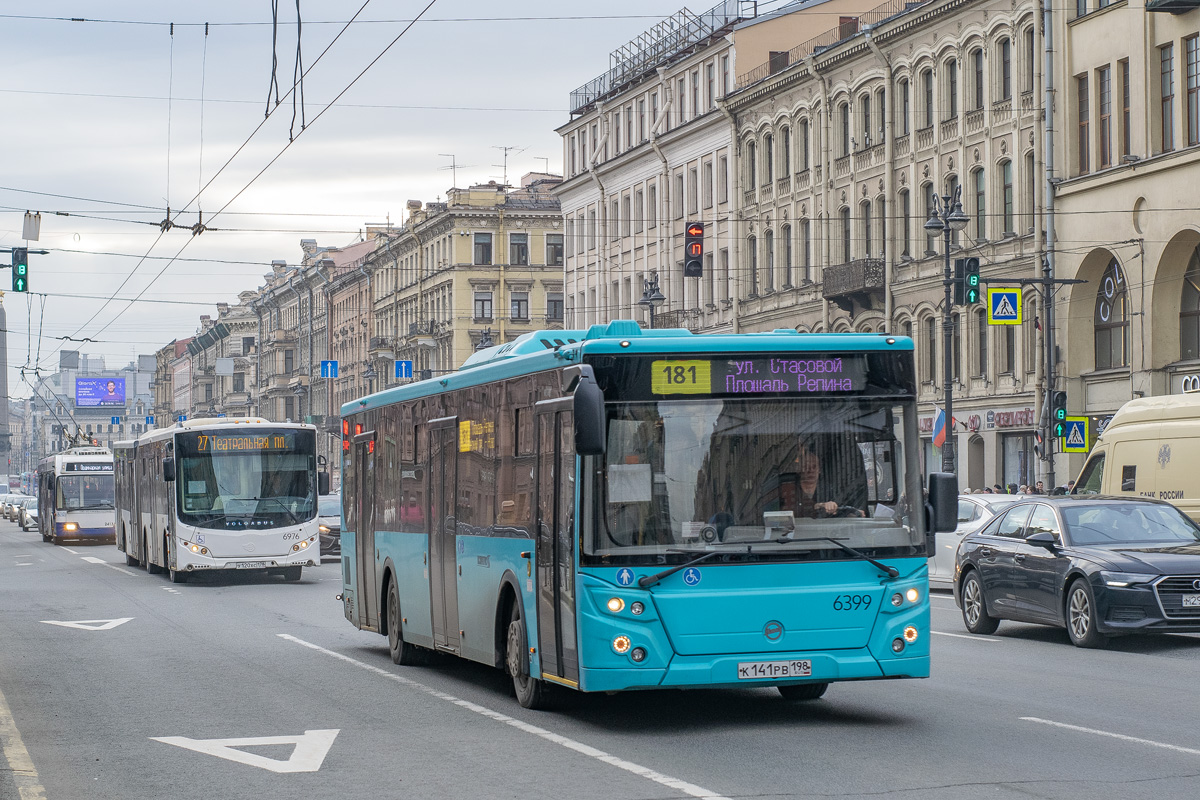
pixel 652 298
pixel 370 374
pixel 947 217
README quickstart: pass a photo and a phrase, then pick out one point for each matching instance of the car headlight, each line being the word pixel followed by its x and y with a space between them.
pixel 1120 580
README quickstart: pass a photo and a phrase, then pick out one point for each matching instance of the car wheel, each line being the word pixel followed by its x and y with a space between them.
pixel 531 692
pixel 1081 616
pixel 403 653
pixel 803 691
pixel 974 607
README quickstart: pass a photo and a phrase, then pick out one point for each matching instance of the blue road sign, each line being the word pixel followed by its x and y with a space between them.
pixel 403 369
pixel 150 419
pixel 1004 306
pixel 1075 435
pixel 115 420
pixel 183 417
pixel 329 369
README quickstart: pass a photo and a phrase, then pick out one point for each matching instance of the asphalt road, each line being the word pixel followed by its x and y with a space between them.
pixel 261 689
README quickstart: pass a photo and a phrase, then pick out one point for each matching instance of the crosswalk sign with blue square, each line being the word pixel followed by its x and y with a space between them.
pixel 1004 306
pixel 1075 435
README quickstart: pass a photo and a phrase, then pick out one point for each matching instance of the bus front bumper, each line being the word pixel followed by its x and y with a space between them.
pixel 76 532
pixel 188 561
pixel 698 672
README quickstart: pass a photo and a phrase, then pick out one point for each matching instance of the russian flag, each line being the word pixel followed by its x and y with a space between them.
pixel 939 428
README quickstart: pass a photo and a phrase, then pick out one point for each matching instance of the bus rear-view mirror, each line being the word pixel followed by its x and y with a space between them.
pixel 168 467
pixel 589 417
pixel 322 483
pixel 943 502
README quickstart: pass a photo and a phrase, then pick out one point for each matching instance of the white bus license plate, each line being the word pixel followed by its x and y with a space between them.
pixel 757 670
pixel 1191 601
pixel 251 565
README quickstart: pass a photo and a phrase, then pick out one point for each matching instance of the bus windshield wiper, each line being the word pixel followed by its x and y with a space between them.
pixel 646 581
pixel 891 572
pixel 286 510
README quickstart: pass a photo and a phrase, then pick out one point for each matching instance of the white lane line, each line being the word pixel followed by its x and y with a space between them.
pixel 103 563
pixel 20 765
pixel 1111 735
pixel 23 564
pixel 965 636
pixel 69 550
pixel 689 789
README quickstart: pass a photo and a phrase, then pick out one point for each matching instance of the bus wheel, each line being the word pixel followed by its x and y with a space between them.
pixel 530 692
pixel 292 573
pixel 151 567
pixel 130 561
pixel 403 653
pixel 803 691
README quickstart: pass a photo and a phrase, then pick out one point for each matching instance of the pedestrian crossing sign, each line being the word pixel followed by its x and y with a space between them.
pixel 1075 435
pixel 1004 306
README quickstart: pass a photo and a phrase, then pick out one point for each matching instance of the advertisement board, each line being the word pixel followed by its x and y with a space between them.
pixel 99 392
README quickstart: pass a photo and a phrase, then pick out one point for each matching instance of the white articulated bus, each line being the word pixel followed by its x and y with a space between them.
pixel 210 494
pixel 75 494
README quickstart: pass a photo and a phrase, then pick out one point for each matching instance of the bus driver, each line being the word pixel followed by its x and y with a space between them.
pixel 816 497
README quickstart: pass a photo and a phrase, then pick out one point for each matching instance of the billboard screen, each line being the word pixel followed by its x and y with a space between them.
pixel 99 392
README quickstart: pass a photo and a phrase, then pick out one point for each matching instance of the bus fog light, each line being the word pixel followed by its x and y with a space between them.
pixel 910 634
pixel 897 599
pixel 616 605
pixel 621 644
pixel 295 548
pixel 637 608
pixel 897 645
pixel 912 595
pixel 203 551
pixel 638 654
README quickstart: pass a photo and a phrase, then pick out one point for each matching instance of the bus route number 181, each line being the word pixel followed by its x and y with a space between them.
pixel 692 376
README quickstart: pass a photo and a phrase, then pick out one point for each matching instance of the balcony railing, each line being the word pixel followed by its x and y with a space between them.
pixel 975 121
pixel 1028 104
pixel 841 167
pixel 681 318
pixel 925 138
pixel 903 143
pixel 950 129
pixel 1002 110
pixel 380 347
pixel 803 179
pixel 784 185
pixel 863 275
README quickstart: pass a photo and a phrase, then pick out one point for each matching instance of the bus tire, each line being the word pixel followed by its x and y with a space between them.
pixel 802 691
pixel 403 653
pixel 531 693
pixel 292 573
pixel 130 561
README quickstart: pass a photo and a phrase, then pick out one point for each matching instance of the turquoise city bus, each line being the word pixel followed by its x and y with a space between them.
pixel 617 509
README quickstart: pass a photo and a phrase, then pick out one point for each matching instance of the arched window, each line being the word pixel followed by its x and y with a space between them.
pixel 785 152
pixel 751 158
pixel 769 243
pixel 929 328
pixel 768 158
pixel 844 110
pixel 981 345
pixel 752 249
pixel 1189 310
pixel 785 233
pixel 1112 320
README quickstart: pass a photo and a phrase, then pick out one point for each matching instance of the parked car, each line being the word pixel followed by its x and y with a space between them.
pixel 1098 566
pixel 29 514
pixel 329 520
pixel 974 511
pixel 6 506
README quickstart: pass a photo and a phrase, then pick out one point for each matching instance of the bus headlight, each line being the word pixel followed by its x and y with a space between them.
pixel 323 528
pixel 70 526
pixel 912 595
pixel 616 605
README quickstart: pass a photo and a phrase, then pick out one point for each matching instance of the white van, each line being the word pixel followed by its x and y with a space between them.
pixel 1151 448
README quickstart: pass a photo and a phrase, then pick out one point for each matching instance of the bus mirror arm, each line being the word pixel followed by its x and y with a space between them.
pixel 168 469
pixel 941 508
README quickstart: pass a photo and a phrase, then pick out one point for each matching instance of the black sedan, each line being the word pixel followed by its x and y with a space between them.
pixel 1098 566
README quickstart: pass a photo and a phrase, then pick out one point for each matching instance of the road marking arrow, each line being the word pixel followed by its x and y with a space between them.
pixel 310 752
pixel 90 624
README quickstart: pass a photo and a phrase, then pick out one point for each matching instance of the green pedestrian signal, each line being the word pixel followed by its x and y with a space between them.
pixel 970 281
pixel 20 269
pixel 1058 409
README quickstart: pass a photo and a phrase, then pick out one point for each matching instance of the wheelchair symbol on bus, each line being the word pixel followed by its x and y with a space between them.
pixel 625 577
pixel 691 576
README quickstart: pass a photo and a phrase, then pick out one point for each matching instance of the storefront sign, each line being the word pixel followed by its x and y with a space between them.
pixel 1013 419
pixel 1190 383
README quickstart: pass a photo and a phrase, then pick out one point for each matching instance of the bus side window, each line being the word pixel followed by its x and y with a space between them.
pixel 1090 478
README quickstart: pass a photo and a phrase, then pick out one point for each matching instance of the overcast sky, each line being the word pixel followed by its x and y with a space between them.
pixel 86 112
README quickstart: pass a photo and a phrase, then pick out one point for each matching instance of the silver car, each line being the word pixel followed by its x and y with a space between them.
pixel 29 514
pixel 974 511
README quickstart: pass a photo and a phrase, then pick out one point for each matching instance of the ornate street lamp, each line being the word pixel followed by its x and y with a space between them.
pixel 652 298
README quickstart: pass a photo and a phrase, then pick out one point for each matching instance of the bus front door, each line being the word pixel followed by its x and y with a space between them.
pixel 443 526
pixel 556 542
pixel 364 477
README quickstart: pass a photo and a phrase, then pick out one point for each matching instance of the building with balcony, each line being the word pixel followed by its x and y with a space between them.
pixel 840 145
pixel 484 266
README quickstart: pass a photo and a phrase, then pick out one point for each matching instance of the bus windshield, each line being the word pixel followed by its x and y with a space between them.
pixel 260 478
pixel 765 478
pixel 84 492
